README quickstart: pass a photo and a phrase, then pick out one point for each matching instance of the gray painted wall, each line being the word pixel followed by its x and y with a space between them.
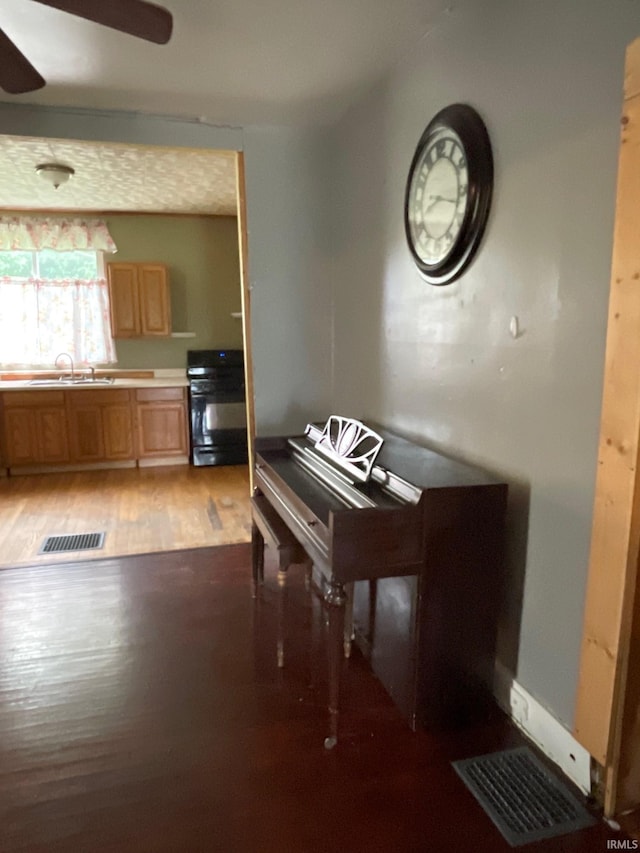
pixel 290 288
pixel 439 364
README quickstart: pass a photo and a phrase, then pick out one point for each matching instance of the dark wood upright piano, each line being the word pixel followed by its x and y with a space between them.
pixel 408 544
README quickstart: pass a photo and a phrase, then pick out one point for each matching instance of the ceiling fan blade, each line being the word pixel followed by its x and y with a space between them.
pixel 17 74
pixel 135 17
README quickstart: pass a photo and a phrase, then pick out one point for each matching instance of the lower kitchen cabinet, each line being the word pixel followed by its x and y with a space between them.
pixel 94 425
pixel 117 425
pixel 161 417
pixel 87 439
pixel 100 425
pixel 35 428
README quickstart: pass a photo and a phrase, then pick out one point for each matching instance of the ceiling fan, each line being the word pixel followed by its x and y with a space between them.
pixel 135 17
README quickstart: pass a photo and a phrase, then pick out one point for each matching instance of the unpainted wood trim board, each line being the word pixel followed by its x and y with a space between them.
pixel 607 635
pixel 246 308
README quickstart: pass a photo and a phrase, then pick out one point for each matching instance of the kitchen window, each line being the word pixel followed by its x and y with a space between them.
pixel 53 301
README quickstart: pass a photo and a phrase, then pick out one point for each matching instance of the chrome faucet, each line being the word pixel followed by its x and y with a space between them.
pixel 66 355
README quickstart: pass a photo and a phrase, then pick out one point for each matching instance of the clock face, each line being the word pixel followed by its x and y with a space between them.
pixel 438 196
pixel 448 193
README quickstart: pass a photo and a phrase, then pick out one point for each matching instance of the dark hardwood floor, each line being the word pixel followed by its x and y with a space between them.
pixel 141 709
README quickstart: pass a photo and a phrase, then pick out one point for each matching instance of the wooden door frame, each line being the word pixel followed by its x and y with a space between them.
pixel 608 633
pixel 241 197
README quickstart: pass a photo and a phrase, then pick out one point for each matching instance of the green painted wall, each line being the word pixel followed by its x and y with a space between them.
pixel 201 253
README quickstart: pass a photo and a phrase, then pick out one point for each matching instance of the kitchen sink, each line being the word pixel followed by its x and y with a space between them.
pixel 102 380
pixel 68 382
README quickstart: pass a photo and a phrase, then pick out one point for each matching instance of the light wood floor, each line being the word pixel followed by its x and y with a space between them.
pixel 141 510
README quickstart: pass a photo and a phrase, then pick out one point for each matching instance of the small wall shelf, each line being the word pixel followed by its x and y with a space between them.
pixel 183 334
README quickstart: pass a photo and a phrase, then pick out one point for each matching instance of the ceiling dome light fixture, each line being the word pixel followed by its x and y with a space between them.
pixel 55 173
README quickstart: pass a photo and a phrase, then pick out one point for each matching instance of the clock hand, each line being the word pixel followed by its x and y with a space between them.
pixel 438 198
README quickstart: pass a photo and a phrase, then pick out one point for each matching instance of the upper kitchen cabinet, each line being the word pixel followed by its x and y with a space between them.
pixel 140 303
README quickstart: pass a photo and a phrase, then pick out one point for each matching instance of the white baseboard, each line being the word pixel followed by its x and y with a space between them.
pixel 543 729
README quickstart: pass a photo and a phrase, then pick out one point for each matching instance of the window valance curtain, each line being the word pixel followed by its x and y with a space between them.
pixel 30 233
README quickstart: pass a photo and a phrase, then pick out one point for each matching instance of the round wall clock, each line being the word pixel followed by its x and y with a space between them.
pixel 448 194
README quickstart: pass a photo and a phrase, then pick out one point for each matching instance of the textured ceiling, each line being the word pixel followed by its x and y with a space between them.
pixel 117 177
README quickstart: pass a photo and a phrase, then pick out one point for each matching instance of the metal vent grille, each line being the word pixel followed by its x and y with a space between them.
pixel 72 542
pixel 523 799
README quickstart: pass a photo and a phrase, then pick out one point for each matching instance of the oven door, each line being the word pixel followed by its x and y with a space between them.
pixel 215 420
pixel 219 417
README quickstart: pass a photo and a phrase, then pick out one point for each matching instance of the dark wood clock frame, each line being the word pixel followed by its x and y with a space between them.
pixel 471 131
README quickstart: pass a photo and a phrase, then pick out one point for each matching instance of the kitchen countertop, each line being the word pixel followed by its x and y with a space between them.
pixel 159 379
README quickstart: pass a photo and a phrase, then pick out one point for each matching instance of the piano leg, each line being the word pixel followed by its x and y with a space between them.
pixel 282 606
pixel 373 609
pixel 257 558
pixel 348 620
pixel 335 599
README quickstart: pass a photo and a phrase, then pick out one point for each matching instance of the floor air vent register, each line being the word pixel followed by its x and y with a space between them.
pixel 523 799
pixel 72 542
